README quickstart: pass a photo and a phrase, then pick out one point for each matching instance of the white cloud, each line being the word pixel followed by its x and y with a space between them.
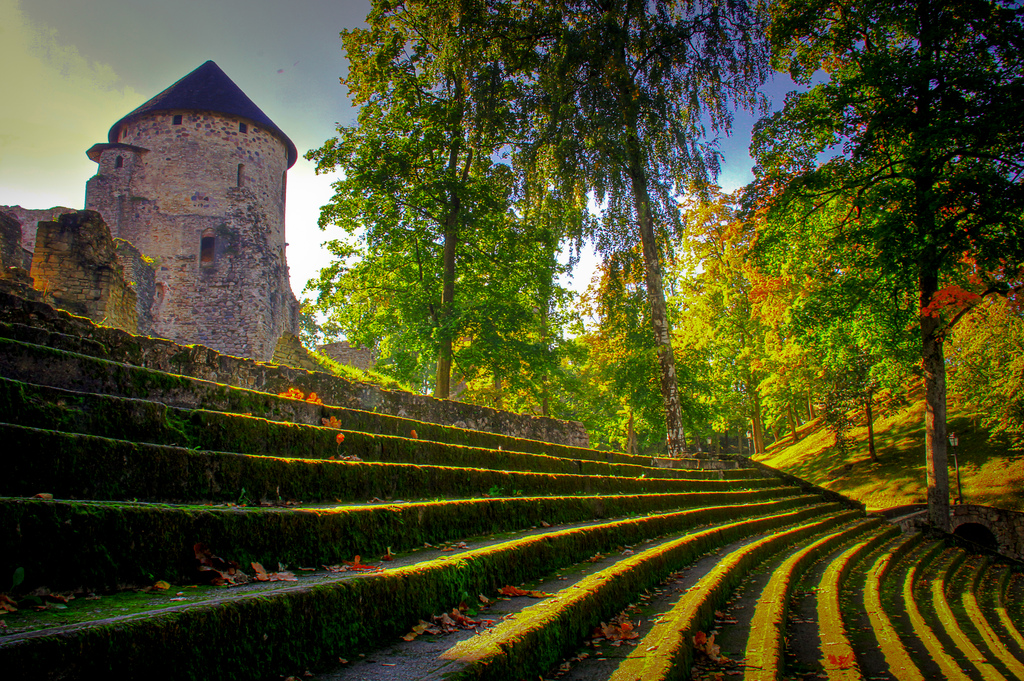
pixel 56 105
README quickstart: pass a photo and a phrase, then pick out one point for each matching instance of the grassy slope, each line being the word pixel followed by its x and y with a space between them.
pixel 991 472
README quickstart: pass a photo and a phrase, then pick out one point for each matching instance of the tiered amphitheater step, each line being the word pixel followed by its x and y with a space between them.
pixel 151 473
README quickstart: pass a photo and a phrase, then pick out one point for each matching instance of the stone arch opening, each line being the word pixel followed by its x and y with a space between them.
pixel 979 534
pixel 119 162
pixel 241 174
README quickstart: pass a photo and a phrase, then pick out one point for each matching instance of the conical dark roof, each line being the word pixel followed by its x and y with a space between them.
pixel 208 88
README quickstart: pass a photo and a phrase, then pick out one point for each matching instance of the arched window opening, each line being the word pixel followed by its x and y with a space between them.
pixel 241 174
pixel 206 248
pixel 119 162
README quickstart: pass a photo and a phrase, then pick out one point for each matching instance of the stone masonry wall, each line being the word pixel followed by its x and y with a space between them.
pixel 343 353
pixel 140 272
pixel 29 220
pixel 204 181
pixel 10 242
pixel 75 261
pixel 1007 526
pixel 204 363
pixel 291 353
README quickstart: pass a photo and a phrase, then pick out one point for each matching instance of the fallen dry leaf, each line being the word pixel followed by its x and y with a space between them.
pixel 339 438
pixel 7 604
pixel 161 586
pixel 281 576
pixel 841 661
pixel 331 422
pixel 218 571
pixel 42 495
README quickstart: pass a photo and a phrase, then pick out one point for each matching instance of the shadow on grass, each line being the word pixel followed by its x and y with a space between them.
pixel 991 471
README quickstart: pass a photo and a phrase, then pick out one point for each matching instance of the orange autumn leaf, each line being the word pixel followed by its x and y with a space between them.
pixel 293 394
pixel 339 438
pixel 7 604
pixel 331 422
pixel 414 435
pixel 313 399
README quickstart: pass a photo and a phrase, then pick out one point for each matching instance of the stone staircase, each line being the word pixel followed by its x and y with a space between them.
pixel 223 525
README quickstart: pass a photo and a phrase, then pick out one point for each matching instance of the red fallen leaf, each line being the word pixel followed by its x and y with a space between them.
pixel 293 394
pixel 42 495
pixel 413 433
pixel 388 555
pixel 313 399
pixel 700 639
pixel 841 661
pixel 331 422
pixel 339 438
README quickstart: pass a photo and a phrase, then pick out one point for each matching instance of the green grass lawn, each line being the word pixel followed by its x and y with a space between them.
pixel 991 472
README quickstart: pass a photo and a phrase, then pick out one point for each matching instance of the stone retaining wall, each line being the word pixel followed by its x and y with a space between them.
pixel 202 362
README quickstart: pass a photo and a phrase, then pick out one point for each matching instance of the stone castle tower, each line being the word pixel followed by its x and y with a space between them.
pixel 195 178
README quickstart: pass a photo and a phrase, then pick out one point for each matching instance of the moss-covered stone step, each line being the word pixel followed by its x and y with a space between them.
pixel 40 324
pixel 155 423
pixel 913 602
pixel 764 648
pixel 998 584
pixel 836 654
pixel 535 639
pixel 31 368
pixel 74 466
pixel 666 651
pixel 946 568
pixel 901 665
pixel 255 634
pixel 970 597
pixel 132 543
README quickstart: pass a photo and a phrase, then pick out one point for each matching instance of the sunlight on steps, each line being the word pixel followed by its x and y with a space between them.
pixel 145 513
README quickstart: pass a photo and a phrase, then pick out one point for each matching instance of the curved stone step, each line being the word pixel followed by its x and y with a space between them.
pixel 947 567
pixel 950 667
pixel 767 630
pixel 535 640
pixel 969 599
pixel 290 627
pixel 835 645
pixel 901 665
pixel 666 652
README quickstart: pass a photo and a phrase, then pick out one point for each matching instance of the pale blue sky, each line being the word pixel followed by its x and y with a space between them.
pixel 73 67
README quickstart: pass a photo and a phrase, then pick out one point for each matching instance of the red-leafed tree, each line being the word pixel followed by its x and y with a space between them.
pixel 907 155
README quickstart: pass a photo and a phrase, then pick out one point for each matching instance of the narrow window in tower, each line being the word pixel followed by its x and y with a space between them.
pixel 241 174
pixel 242 127
pixel 176 120
pixel 206 250
pixel 119 162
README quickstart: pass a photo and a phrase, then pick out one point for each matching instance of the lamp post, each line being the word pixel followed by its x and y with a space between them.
pixel 953 442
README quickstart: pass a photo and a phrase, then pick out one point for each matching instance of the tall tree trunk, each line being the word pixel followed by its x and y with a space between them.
pixel 631 447
pixel 810 406
pixel 934 365
pixel 442 384
pixel 871 425
pixel 499 398
pixel 656 297
pixel 792 421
